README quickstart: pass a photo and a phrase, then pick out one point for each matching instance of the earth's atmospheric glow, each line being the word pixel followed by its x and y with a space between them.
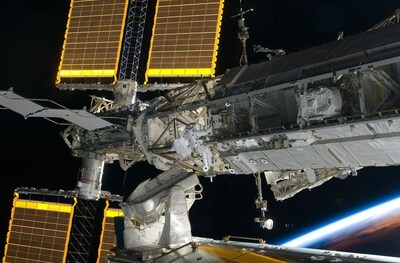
pixel 375 214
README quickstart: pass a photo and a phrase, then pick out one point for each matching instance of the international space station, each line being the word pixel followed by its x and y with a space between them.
pixel 296 120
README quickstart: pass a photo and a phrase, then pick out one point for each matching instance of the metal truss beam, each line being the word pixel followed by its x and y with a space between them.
pixel 132 45
pixel 85 232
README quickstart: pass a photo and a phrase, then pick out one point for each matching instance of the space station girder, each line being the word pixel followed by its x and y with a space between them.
pixel 392 19
pixel 133 39
pixel 329 137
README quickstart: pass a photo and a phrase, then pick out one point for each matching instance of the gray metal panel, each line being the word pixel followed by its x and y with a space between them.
pixel 343 131
pixel 372 142
pixel 18 104
pixel 384 127
pixel 367 153
pixel 27 108
pixel 335 155
pixel 307 157
pixel 391 148
pixel 81 118
pixel 282 159
pixel 261 161
pixel 238 166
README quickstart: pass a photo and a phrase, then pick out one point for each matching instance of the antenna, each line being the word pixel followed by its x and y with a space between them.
pixel 243 33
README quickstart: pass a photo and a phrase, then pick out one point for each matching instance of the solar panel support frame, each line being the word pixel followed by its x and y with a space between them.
pixel 84 234
pixel 134 32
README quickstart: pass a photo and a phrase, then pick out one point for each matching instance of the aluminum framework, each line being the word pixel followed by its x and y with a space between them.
pixel 130 56
pixel 83 239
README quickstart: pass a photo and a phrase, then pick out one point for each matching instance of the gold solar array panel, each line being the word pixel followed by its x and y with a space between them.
pixel 107 241
pixel 185 38
pixel 38 231
pixel 93 41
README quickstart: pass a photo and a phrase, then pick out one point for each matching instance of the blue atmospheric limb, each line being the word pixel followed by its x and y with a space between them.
pixel 347 222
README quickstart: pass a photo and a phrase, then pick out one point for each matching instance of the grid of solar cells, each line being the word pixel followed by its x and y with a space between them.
pixel 185 38
pixel 108 237
pixel 38 232
pixel 93 39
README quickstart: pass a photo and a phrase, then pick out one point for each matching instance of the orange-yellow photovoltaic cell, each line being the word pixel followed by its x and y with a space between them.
pixel 108 235
pixel 185 38
pixel 93 39
pixel 38 231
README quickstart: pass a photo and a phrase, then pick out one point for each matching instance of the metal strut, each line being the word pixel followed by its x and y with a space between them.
pixel 261 205
pixel 134 32
pixel 243 33
pixel 85 231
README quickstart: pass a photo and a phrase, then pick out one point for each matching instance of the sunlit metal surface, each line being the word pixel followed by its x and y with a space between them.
pixel 28 108
pixel 211 251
